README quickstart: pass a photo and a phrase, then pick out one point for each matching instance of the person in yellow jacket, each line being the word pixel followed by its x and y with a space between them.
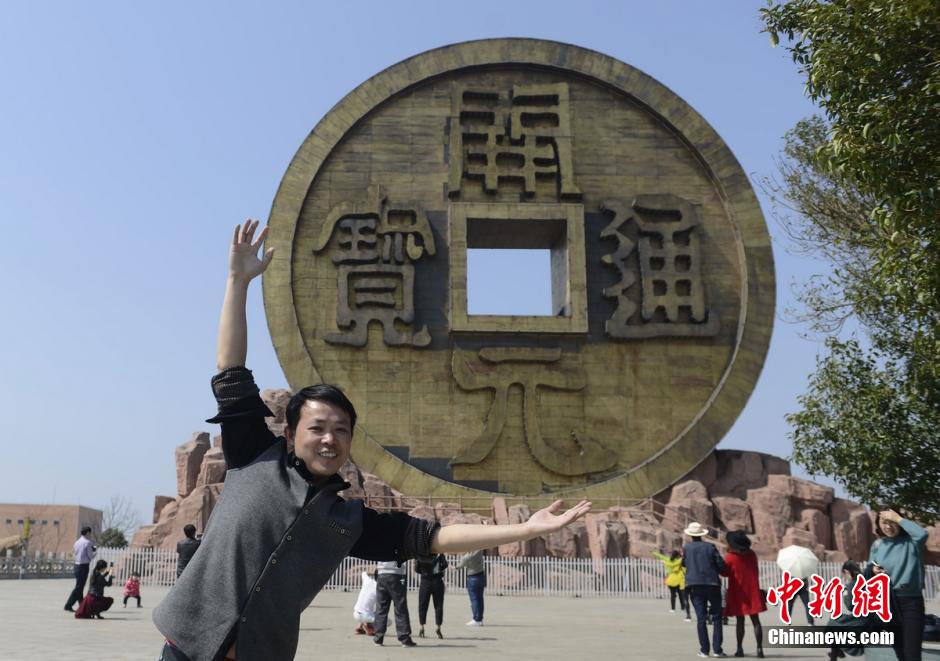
pixel 675 581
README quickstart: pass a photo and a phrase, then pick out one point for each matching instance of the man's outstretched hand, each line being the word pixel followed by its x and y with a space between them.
pixel 243 261
pixel 548 520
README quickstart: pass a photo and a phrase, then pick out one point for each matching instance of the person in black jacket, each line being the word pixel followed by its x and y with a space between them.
pixel 186 548
pixel 431 586
pixel 95 603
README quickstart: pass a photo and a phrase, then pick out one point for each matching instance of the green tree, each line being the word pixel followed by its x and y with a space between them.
pixel 112 538
pixel 859 189
pixel 873 66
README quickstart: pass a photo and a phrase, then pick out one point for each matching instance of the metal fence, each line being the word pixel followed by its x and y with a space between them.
pixel 571 577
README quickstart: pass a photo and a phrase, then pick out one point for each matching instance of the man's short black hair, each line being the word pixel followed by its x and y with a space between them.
pixel 189 530
pixel 86 530
pixel 322 392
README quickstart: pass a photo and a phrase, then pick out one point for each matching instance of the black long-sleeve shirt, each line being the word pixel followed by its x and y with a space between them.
pixel 245 436
pixel 99 583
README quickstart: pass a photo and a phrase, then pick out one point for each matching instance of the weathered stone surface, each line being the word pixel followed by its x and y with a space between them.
pixel 771 513
pixel 688 490
pixel 737 471
pixel 688 502
pixel 733 513
pixel 817 523
pixel 425 512
pixel 680 514
pixel 834 556
pixel 276 400
pixel 799 537
pixel 452 518
pixel 188 461
pixel 213 468
pixel 802 492
pixel 379 495
pixel 851 528
pixel 169 510
pixel 667 541
pixel 643 537
pixel 142 535
pixel 500 511
pixel 443 509
pixel 569 542
pixel 159 502
pixel 217 441
pixel 606 538
pixel 765 550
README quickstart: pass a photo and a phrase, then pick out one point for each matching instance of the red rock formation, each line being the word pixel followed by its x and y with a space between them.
pixel 852 531
pixel 188 460
pixel 733 513
pixel 771 512
pixel 730 490
pixel 159 502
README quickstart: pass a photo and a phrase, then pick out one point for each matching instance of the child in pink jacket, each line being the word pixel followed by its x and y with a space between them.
pixel 132 589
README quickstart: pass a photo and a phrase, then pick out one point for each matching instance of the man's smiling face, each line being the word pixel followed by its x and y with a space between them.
pixel 322 438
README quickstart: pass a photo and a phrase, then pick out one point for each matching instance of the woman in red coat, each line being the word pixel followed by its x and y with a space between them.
pixel 744 596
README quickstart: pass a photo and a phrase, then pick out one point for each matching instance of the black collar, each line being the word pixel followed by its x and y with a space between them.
pixel 311 479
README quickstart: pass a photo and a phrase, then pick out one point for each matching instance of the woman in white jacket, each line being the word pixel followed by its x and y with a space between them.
pixel 364 610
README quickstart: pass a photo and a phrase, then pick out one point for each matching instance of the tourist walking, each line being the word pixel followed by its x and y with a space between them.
pixel 899 553
pixel 83 551
pixel 391 588
pixel 431 586
pixel 132 589
pixel 476 584
pixel 703 564
pixel 675 581
pixel 95 603
pixel 186 548
pixel 744 597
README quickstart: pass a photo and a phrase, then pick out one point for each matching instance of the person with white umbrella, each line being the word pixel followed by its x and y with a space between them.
pixel 801 563
pixel 703 564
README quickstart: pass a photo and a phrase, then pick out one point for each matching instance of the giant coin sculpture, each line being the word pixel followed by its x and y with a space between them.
pixel 662 274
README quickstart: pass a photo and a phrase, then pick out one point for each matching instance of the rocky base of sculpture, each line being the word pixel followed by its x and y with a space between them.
pixel 730 490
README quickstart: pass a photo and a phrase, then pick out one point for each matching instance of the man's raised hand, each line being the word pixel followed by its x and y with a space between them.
pixel 548 520
pixel 243 261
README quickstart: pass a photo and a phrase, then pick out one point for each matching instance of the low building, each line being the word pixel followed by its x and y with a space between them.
pixel 52 528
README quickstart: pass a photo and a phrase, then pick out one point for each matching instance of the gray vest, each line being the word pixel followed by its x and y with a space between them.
pixel 264 556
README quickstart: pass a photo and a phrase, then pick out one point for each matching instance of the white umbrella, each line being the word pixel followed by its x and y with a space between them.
pixel 798 560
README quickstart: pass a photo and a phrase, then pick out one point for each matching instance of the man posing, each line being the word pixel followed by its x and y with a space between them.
pixel 279 529
pixel 84 551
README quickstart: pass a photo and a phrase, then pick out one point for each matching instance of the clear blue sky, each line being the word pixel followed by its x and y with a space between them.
pixel 134 136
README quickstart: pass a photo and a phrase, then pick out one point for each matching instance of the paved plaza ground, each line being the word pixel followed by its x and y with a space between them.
pixel 33 626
